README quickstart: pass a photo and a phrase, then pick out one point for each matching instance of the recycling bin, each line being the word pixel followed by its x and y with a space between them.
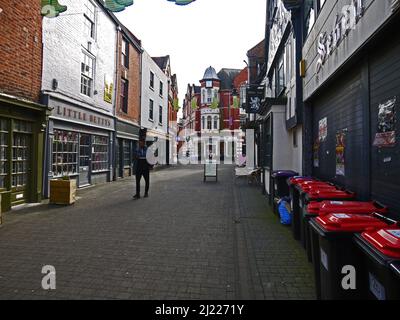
pixel 315 209
pixel 295 206
pixel 334 249
pixel 363 207
pixel 280 188
pixel 381 256
pixel 327 190
pixel 300 188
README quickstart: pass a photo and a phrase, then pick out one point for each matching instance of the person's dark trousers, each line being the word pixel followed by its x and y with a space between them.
pixel 142 170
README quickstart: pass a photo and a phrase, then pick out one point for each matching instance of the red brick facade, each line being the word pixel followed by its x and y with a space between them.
pixel 132 74
pixel 21 48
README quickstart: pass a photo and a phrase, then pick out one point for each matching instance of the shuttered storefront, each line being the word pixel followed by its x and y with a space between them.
pixel 385 86
pixel 342 105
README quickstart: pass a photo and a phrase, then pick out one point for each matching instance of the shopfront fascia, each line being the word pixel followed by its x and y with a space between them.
pixel 127 137
pixel 351 72
pixel 79 143
pixel 22 134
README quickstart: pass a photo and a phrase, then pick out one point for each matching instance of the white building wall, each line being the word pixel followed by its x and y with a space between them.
pixel 154 127
pixel 63 42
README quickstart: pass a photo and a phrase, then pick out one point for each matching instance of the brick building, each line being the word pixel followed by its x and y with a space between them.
pixel 22 117
pixel 212 109
pixel 127 105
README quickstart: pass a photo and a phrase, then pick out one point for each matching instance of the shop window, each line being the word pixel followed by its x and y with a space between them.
pixel 100 153
pixel 65 153
pixel 127 153
pixel 3 152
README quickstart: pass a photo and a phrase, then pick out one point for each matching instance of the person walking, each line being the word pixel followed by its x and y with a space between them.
pixel 142 169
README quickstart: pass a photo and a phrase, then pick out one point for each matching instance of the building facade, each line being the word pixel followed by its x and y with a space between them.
pixel 154 105
pixel 78 84
pixel 22 118
pixel 352 92
pixel 128 102
pixel 280 131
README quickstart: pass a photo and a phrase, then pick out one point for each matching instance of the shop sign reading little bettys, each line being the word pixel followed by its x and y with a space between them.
pixel 71 113
pixel 343 24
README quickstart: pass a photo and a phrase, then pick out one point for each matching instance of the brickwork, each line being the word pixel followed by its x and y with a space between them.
pixel 21 48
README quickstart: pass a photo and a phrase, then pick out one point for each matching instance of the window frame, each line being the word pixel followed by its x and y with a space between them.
pixel 151 110
pixel 87 75
pixel 151 80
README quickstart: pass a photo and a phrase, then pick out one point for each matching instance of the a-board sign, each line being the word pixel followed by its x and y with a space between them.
pixel 211 170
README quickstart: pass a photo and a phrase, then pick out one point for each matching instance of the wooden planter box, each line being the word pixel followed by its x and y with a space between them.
pixel 62 192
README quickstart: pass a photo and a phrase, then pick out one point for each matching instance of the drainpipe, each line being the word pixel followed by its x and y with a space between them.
pixel 114 139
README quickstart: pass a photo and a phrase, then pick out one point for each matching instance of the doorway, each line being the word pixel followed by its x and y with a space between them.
pixel 84 160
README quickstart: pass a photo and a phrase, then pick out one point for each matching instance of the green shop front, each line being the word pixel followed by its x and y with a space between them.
pixel 22 134
pixel 79 144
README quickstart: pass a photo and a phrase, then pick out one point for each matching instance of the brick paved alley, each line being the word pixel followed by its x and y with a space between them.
pixel 189 240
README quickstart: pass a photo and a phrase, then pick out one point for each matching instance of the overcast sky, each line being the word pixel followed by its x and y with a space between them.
pixel 203 33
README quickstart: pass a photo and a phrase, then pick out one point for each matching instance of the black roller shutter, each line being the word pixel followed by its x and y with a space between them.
pixel 385 85
pixel 341 103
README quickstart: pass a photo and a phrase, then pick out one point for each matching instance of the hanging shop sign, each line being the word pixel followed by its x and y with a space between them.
pixel 254 98
pixel 386 133
pixel 340 152
pixel 323 130
pixel 108 88
pixel 343 24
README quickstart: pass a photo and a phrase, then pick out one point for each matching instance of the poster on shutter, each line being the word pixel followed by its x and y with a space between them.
pixel 386 134
pixel 340 152
pixel 316 154
pixel 323 129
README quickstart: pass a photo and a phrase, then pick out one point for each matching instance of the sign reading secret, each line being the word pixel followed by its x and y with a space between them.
pixel 343 24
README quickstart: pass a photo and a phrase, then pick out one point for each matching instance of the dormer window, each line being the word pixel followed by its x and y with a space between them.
pixel 209 84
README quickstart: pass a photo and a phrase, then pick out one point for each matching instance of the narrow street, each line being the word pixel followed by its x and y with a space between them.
pixel 188 240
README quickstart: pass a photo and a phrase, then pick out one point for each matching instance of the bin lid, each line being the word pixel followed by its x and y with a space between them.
pixel 296 180
pixel 313 208
pixel 330 195
pixel 385 240
pixel 284 174
pixel 395 266
pixel 314 188
pixel 344 222
pixel 360 207
pixel 307 184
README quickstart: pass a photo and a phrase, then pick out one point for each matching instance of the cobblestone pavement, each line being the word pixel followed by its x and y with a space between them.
pixel 188 240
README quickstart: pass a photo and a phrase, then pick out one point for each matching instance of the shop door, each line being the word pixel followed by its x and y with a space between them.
pixel 338 115
pixel 21 167
pixel 385 123
pixel 84 160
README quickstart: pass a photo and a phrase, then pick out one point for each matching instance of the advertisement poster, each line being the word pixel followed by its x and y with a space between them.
pixel 316 154
pixel 386 133
pixel 323 129
pixel 340 152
